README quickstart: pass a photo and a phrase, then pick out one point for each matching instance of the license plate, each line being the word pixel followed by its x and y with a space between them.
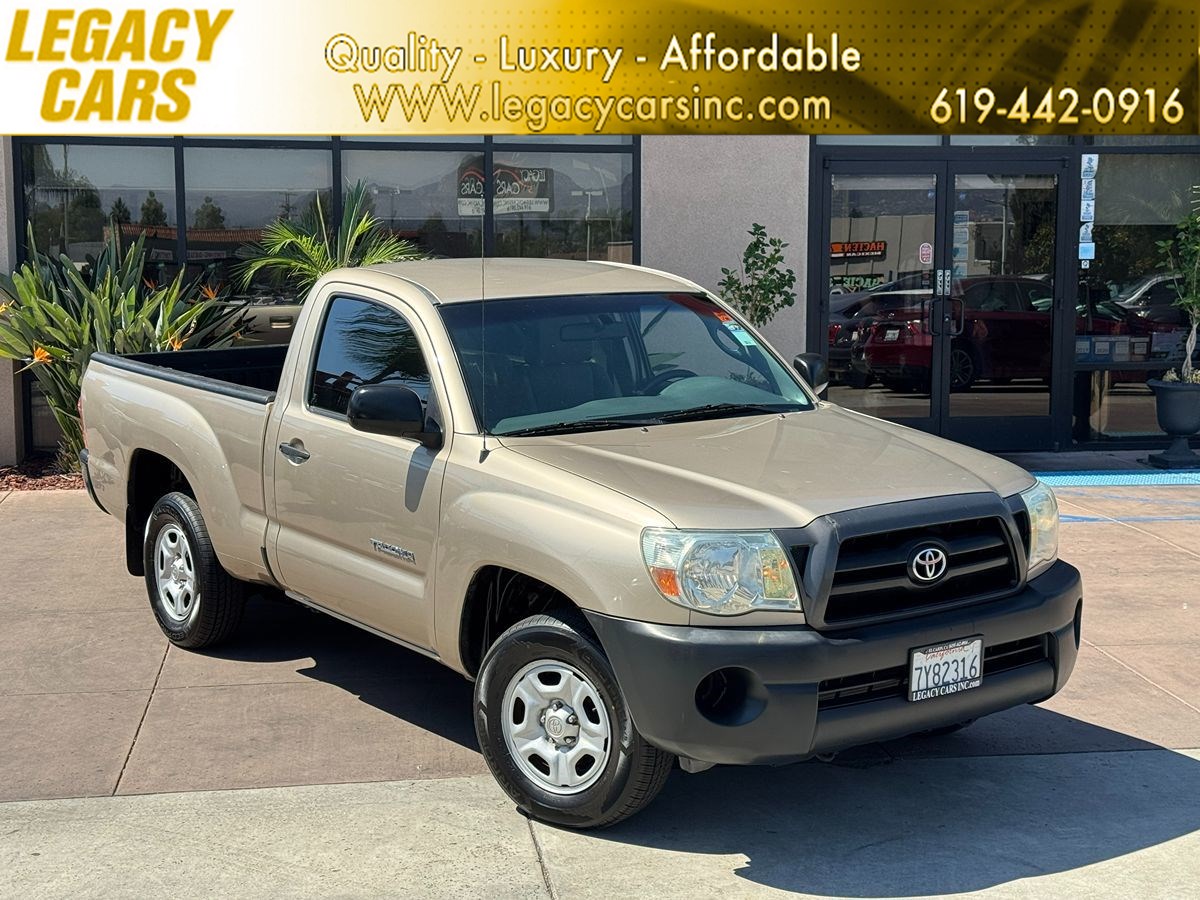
pixel 942 669
pixel 891 334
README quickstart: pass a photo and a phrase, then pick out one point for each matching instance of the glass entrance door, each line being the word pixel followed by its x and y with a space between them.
pixel 1003 299
pixel 883 256
pixel 944 284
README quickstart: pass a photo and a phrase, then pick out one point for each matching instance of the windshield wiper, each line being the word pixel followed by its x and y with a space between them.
pixel 580 425
pixel 720 410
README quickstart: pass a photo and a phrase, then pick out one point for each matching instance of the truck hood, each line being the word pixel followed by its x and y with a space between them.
pixel 773 471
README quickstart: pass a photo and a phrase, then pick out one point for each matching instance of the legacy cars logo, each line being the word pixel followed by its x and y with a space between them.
pixel 927 564
pixel 106 66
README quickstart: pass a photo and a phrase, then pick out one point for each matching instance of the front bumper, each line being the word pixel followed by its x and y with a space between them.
pixel 782 670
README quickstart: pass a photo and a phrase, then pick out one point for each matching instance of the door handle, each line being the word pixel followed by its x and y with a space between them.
pixel 929 315
pixel 951 320
pixel 293 453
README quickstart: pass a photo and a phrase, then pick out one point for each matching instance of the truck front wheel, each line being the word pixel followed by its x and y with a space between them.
pixel 196 602
pixel 554 728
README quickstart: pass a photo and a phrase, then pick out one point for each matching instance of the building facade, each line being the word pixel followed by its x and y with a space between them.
pixel 1004 292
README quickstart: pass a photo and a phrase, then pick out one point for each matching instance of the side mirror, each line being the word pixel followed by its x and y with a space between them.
pixel 391 409
pixel 813 369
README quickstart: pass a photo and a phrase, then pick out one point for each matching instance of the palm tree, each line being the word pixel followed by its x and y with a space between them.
pixel 299 253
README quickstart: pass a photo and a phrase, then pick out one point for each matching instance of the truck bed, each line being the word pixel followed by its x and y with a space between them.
pixel 248 373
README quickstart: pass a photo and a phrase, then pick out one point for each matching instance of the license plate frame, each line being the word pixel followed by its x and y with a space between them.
pixel 921 674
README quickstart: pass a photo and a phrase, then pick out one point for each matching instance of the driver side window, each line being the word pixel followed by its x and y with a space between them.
pixel 364 343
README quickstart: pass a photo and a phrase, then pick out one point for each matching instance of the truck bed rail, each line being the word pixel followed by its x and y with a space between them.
pixel 214 371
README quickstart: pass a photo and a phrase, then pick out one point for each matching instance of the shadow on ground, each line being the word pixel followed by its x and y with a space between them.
pixel 880 825
pixel 393 679
pixel 1020 794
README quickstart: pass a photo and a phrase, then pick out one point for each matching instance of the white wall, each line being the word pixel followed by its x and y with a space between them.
pixel 701 194
pixel 12 442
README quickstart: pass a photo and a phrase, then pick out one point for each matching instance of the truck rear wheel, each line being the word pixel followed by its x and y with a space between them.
pixel 196 602
pixel 554 728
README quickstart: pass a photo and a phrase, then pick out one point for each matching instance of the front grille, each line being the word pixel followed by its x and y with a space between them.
pixel 871 579
pixel 850 690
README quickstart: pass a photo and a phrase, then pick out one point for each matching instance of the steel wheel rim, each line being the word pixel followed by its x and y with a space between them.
pixel 556 727
pixel 175 575
pixel 962 368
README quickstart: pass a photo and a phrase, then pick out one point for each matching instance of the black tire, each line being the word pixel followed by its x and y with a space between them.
pixel 215 607
pixel 635 771
pixel 857 380
pixel 964 368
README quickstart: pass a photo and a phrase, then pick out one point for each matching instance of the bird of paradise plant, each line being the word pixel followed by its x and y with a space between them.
pixel 54 316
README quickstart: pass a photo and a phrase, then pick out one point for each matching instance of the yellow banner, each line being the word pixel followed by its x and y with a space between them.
pixel 359 67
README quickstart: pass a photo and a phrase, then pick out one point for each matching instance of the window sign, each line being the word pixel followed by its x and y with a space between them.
pixel 858 250
pixel 519 189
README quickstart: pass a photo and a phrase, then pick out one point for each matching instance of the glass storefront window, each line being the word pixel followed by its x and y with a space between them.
pixel 564 205
pixel 231 193
pixel 563 139
pixel 427 197
pixel 881 140
pixel 1143 140
pixel 72 191
pixel 1127 327
pixel 413 139
pixel 1008 140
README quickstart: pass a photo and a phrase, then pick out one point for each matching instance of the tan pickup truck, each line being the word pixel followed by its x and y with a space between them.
pixel 597 492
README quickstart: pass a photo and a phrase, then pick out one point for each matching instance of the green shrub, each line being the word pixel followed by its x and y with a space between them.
pixel 54 316
pixel 763 286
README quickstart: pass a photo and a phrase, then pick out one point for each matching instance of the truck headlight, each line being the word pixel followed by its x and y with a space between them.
pixel 725 573
pixel 1043 528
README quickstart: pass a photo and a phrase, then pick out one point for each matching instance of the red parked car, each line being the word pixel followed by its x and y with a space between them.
pixel 1006 333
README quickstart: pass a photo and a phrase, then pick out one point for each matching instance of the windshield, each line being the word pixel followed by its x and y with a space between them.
pixel 612 360
pixel 1129 291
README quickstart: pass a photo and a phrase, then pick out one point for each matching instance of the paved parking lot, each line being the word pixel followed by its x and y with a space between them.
pixel 373 783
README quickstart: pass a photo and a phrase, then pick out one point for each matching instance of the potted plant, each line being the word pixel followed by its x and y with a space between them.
pixel 1177 394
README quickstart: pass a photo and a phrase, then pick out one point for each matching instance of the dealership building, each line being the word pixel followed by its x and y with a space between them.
pixel 1004 292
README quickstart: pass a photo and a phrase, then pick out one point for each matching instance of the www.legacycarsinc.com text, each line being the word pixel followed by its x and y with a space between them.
pixel 491 101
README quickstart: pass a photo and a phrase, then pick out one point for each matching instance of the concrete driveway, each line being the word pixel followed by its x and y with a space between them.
pixel 308 758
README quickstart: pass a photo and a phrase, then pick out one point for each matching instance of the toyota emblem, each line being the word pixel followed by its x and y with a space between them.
pixel 927 564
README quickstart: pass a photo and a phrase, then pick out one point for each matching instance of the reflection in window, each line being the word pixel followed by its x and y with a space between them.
pixel 877 227
pixel 1008 140
pixel 1127 328
pixel 564 205
pixel 1002 259
pixel 563 139
pixel 364 343
pixel 232 193
pixel 432 198
pixel 881 140
pixel 71 192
